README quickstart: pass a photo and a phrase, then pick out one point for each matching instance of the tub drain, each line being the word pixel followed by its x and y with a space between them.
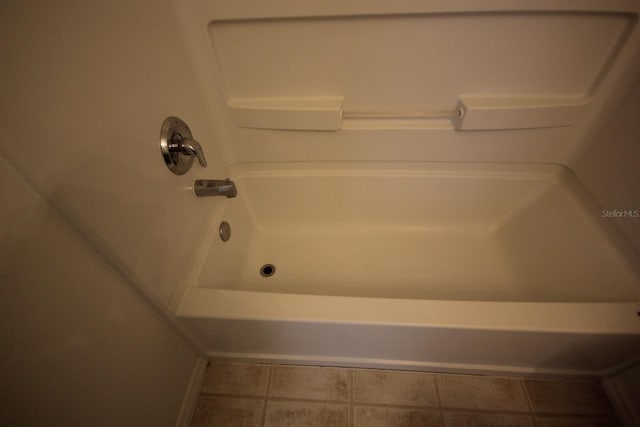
pixel 267 270
pixel 224 231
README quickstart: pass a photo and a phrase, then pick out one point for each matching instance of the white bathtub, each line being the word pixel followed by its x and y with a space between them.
pixel 456 267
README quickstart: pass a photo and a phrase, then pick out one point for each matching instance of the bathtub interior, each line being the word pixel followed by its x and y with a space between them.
pixel 501 265
pixel 433 231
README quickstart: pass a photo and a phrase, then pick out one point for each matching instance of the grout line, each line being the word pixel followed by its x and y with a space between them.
pixel 293 399
pixel 482 411
pixel 232 396
pixel 396 406
pixel 392 405
pixel 529 402
pixel 266 397
pixel 278 399
pixel 388 405
pixel 574 414
pixel 485 411
pixel 438 399
pixel 523 386
pixel 535 420
pixel 350 384
pixel 435 383
pixel 269 380
pixel 441 415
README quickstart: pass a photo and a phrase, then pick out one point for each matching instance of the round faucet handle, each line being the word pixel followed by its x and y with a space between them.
pixel 178 147
pixel 191 147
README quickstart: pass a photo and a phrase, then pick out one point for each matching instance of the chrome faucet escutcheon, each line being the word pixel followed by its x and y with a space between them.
pixel 178 147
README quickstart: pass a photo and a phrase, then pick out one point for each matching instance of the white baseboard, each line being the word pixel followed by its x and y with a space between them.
pixel 626 411
pixel 191 395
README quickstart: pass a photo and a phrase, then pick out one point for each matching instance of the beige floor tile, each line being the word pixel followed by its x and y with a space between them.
pixel 237 378
pixel 380 416
pixel 396 388
pixel 227 412
pixel 568 397
pixel 469 419
pixel 287 413
pixel 305 382
pixel 478 392
pixel 577 422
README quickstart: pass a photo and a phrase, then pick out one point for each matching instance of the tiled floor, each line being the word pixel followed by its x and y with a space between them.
pixel 254 395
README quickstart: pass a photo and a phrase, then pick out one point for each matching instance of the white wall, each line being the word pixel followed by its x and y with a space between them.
pixel 611 167
pixel 79 345
pixel 89 209
pixel 610 170
pixel 85 88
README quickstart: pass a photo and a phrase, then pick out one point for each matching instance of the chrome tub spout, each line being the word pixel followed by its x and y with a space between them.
pixel 215 187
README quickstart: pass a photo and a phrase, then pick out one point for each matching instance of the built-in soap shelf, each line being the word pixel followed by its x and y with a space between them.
pixel 289 113
pixel 470 113
pixel 487 113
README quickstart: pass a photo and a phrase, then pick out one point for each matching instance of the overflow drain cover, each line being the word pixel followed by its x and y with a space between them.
pixel 267 270
pixel 224 231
